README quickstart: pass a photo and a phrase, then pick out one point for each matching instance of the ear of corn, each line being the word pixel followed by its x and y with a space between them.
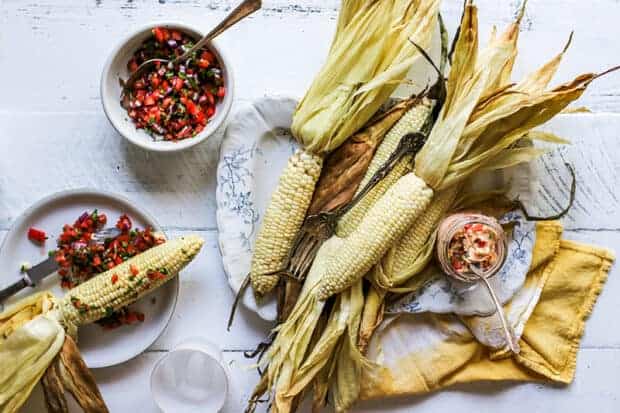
pixel 283 218
pixel 412 121
pixel 385 222
pixel 127 282
pixel 407 257
pixel 369 56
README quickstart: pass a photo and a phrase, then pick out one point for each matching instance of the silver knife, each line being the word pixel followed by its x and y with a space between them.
pixel 38 272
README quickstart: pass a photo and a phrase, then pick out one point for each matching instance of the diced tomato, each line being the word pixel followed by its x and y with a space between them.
pixel 149 100
pixel 177 83
pixel 161 34
pixel 96 261
pixel 203 63
pixel 221 92
pixel 155 81
pixel 176 35
pixel 191 107
pixel 201 117
pixel 166 103
pixel 37 235
pixel 133 65
pixel 207 55
pixel 210 111
pixel 210 98
pixel 114 278
pixel 134 270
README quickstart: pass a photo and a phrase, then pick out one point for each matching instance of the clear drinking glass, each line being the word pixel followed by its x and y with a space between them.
pixel 192 377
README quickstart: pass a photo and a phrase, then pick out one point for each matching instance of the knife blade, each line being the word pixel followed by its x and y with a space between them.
pixel 32 276
pixel 49 266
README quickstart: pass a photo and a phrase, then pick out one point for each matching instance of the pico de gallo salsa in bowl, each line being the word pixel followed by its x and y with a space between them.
pixel 169 107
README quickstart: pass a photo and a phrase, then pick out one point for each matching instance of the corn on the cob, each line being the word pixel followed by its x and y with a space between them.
pixel 400 262
pixel 412 121
pixel 127 282
pixel 385 222
pixel 283 218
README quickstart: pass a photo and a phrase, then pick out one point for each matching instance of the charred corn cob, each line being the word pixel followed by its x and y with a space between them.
pixel 412 121
pixel 385 222
pixel 283 218
pixel 127 282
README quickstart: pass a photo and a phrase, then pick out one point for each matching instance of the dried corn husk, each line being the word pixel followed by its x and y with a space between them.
pixel 501 116
pixel 29 341
pixel 344 168
pixel 369 57
pixel 68 372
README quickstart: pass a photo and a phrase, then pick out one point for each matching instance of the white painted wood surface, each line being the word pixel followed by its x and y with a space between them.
pixel 53 135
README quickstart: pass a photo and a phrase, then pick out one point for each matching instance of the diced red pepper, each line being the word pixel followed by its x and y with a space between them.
pixel 37 235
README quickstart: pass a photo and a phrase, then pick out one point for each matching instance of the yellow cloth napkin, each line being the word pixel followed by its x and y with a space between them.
pixel 420 353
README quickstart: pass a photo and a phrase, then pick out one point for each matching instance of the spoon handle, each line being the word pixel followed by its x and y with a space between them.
pixel 243 10
pixel 510 337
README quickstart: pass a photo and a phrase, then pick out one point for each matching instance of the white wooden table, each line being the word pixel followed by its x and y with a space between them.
pixel 54 135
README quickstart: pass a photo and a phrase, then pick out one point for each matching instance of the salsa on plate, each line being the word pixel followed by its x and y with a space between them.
pixel 79 258
pixel 174 102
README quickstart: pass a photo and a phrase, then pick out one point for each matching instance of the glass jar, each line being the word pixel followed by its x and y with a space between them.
pixel 455 223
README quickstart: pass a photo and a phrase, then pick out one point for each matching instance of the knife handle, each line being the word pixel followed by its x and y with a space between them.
pixel 13 289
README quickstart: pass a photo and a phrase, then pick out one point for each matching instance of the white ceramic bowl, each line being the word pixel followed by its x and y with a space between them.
pixel 116 66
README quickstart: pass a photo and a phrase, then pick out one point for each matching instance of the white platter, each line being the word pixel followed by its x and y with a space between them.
pixel 100 348
pixel 256 146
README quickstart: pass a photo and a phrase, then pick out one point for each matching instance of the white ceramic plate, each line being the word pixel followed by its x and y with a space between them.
pixel 100 348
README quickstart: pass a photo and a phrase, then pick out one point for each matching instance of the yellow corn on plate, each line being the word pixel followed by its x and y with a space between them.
pixel 385 222
pixel 411 122
pixel 283 219
pixel 127 282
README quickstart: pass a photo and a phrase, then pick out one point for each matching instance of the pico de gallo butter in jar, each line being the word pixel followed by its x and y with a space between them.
pixel 470 243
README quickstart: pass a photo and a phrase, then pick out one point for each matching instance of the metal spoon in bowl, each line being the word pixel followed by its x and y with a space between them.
pixel 243 10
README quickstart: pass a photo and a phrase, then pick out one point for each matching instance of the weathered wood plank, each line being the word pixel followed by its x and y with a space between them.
pixel 276 51
pixel 71 150
pixel 205 299
pixel 593 155
pixel 595 385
